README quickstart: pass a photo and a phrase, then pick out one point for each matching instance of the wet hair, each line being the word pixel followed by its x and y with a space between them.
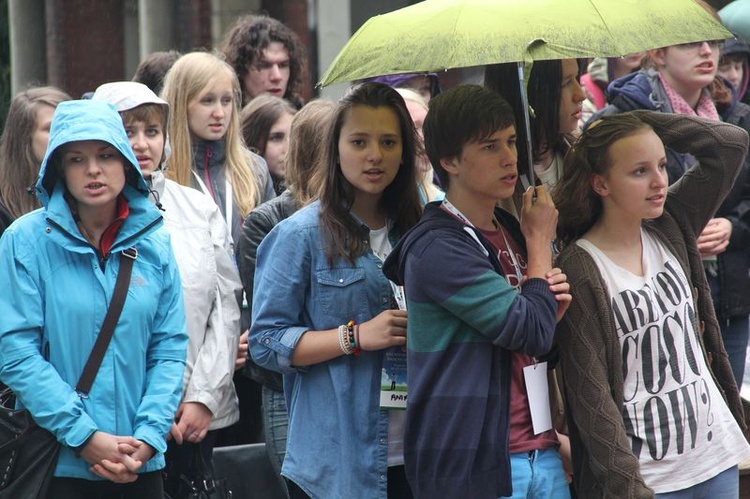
pixel 544 91
pixel 245 41
pixel 577 203
pixel 152 70
pixel 18 166
pixel 184 83
pixel 306 144
pixel 459 115
pixel 400 199
pixel 257 118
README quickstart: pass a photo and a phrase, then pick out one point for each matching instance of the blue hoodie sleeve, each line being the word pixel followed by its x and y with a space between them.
pixel 53 403
pixel 166 356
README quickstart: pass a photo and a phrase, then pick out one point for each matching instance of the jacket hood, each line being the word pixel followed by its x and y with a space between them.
pixel 80 120
pixel 637 87
pixel 737 46
pixel 127 95
pixel 433 218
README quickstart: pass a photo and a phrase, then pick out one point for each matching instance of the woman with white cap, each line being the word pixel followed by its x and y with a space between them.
pixel 210 282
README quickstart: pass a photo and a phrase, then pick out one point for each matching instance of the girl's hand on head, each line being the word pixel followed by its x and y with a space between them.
pixel 386 329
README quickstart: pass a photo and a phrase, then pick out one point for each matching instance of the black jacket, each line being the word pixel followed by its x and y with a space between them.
pixel 257 225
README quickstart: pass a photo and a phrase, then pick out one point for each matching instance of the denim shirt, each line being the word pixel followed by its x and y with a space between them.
pixel 338 437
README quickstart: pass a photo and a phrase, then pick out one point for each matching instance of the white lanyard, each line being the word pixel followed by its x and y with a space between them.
pixel 448 206
pixel 228 201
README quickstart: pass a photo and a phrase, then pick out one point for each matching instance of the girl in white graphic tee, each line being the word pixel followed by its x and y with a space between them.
pixel 654 409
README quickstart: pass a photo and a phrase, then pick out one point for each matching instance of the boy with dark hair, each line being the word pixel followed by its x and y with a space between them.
pixel 268 57
pixel 476 323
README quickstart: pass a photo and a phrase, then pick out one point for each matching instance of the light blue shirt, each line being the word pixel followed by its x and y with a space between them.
pixel 337 443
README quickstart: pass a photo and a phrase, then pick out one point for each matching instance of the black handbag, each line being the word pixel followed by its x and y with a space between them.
pixel 28 452
pixel 197 481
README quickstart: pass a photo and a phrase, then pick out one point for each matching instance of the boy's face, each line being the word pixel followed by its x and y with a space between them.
pixel 732 68
pixel 486 167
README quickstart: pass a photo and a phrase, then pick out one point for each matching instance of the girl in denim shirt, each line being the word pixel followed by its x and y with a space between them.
pixel 323 313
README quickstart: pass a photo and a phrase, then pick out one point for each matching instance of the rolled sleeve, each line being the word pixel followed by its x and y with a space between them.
pixel 282 280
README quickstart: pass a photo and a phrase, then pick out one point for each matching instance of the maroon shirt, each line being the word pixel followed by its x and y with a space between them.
pixel 522 438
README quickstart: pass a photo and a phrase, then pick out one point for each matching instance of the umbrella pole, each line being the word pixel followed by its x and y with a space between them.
pixel 527 124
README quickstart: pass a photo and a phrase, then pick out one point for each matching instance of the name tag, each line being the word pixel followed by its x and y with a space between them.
pixel 537 390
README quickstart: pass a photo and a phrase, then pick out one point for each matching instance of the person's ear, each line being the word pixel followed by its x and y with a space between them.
pixel 599 185
pixel 658 56
pixel 450 165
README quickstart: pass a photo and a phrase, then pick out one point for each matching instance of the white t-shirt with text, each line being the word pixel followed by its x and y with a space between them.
pixel 679 425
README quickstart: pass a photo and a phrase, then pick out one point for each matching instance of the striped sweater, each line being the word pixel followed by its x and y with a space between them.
pixel 464 319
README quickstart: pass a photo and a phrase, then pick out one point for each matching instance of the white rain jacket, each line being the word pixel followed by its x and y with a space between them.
pixel 210 281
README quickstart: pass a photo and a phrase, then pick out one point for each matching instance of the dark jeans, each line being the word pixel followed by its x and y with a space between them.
pixel 398 487
pixel 147 486
pixel 275 426
pixel 734 332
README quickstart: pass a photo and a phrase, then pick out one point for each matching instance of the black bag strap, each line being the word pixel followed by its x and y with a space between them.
pixel 110 321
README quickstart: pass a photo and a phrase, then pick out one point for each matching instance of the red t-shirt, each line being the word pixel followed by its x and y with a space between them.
pixel 522 438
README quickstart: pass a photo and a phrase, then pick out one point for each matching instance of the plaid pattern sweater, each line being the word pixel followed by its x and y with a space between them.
pixel 590 354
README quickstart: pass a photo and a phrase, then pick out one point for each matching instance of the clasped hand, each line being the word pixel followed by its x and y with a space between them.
pixel 116 458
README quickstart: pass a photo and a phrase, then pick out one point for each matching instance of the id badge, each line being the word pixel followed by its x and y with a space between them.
pixel 537 391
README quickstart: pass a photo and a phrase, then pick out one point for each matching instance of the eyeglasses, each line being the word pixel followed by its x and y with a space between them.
pixel 712 44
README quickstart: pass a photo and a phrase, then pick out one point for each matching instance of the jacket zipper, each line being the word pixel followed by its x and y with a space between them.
pixel 207 175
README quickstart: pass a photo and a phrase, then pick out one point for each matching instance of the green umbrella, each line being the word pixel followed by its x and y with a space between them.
pixel 441 34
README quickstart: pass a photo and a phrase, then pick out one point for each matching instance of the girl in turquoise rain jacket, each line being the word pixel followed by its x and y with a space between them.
pixel 58 279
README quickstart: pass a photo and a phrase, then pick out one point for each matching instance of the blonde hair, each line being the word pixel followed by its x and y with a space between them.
pixel 183 84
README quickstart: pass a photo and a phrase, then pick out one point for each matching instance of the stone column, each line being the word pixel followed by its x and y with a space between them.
pixel 333 25
pixel 157 21
pixel 28 54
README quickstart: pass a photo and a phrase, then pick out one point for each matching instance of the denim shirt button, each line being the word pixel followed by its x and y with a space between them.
pixel 341 281
pixel 383 441
pixel 267 341
pixel 380 265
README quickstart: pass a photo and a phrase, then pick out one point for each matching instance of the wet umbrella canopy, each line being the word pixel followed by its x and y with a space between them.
pixel 441 34
pixel 736 16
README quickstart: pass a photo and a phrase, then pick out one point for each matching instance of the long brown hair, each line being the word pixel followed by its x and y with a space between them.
pixel 578 205
pixel 400 199
pixel 258 117
pixel 306 144
pixel 18 166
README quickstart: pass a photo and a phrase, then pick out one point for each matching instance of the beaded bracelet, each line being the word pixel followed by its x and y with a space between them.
pixel 351 327
pixel 344 340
